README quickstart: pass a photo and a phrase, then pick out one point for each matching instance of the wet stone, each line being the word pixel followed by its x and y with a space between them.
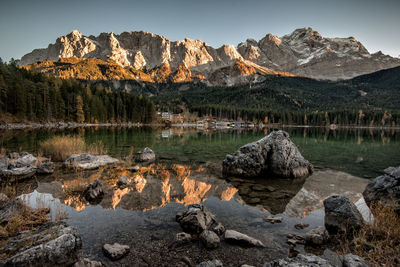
pixel 301 226
pixel 210 239
pixel 273 219
pixel 115 251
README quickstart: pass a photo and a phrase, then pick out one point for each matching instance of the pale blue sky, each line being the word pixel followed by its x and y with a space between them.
pixel 29 24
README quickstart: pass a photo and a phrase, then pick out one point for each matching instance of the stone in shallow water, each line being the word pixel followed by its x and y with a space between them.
pixel 147 155
pixel 87 161
pixel 115 251
pixel 88 263
pixel 233 236
pixel 183 237
pixel 210 239
pixel 94 191
pixel 273 219
pixel 219 229
pixel 301 260
pixel 196 219
pixel 300 226
pixel 317 236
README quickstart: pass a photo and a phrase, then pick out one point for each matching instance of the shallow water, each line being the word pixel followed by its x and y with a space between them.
pixel 144 216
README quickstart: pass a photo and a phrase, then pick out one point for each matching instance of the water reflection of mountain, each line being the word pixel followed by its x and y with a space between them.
pixel 152 187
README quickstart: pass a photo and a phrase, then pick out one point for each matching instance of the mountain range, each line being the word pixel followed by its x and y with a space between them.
pixel 148 57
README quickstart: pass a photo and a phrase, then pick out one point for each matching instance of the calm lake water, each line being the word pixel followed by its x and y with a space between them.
pixel 186 172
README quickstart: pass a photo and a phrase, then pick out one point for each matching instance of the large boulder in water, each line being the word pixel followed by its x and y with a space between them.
pixel 275 154
pixel 385 189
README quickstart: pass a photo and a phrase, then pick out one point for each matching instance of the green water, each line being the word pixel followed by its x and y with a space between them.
pixel 360 152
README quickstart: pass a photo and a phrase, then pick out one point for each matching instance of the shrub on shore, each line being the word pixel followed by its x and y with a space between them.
pixel 61 147
pixel 379 241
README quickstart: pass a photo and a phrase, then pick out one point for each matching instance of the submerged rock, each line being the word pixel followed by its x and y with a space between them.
pixel 303 260
pixel 52 244
pixel 351 260
pixel 46 168
pixel 88 263
pixel 147 155
pixel 115 251
pixel 385 189
pixel 210 239
pixel 196 219
pixel 317 236
pixel 94 191
pixel 213 263
pixel 87 161
pixel 275 154
pixel 341 215
pixel 233 236
pixel 273 219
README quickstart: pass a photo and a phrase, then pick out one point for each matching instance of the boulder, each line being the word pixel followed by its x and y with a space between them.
pixel 385 189
pixel 213 263
pixel 317 236
pixel 46 168
pixel 4 163
pixel 94 191
pixel 88 263
pixel 196 219
pixel 24 160
pixel 341 215
pixel 351 260
pixel 18 173
pixel 210 239
pixel 52 244
pixel 87 161
pixel 115 251
pixel 303 260
pixel 235 237
pixel 147 155
pixel 275 154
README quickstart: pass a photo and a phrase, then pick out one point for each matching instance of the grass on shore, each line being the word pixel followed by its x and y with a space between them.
pixel 379 241
pixel 61 147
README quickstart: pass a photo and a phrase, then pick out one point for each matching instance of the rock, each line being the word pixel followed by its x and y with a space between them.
pixel 350 260
pixel 196 219
pixel 303 260
pixel 94 191
pixel 123 181
pixel 115 251
pixel 294 239
pixel 182 238
pixel 52 244
pixel 385 189
pixel 13 155
pixel 87 263
pixel 300 226
pixel 219 229
pixel 46 168
pixel 275 154
pixel 87 161
pixel 19 173
pixel 134 168
pixel 273 219
pixel 233 236
pixel 4 163
pixel 293 252
pixel 210 239
pixel 213 263
pixel 3 200
pixel 341 215
pixel 9 209
pixel 317 236
pixel 147 155
pixel 24 160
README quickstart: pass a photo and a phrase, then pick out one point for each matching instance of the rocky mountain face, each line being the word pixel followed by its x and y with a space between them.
pixel 304 52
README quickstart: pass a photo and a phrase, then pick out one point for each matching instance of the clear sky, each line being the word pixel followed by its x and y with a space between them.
pixel 29 24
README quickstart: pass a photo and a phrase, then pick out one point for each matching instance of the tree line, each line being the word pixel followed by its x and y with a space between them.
pixel 37 97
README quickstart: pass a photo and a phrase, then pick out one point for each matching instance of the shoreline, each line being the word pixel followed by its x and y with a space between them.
pixel 69 125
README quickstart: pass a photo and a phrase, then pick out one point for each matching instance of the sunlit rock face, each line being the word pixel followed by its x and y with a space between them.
pixel 304 52
pixel 150 188
pixel 320 186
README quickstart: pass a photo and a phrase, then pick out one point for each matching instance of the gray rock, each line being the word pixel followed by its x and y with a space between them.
pixel 3 200
pixel 115 251
pixel 273 219
pixel 341 215
pixel 49 245
pixel 88 263
pixel 300 226
pixel 317 236
pixel 210 239
pixel 4 163
pixel 213 263
pixel 275 154
pixel 10 209
pixel 147 155
pixel 123 181
pixel 94 191
pixel 301 260
pixel 196 219
pixel 385 189
pixel 46 168
pixel 233 236
pixel 19 173
pixel 13 155
pixel 87 161
pixel 182 238
pixel 24 160
pixel 351 260
pixel 219 229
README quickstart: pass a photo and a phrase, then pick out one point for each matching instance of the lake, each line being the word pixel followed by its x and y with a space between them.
pixel 187 171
